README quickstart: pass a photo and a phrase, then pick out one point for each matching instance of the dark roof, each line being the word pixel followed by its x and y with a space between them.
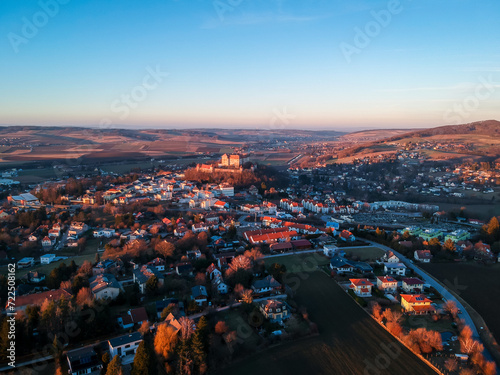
pixel 267 282
pixel 126 339
pixel 281 246
pixel 198 291
pixel 83 358
pixel 338 261
pixel 160 305
pixel 301 243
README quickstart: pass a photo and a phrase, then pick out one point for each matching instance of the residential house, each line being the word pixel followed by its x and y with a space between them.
pixel 395 269
pixel 125 345
pixel 423 256
pixel 47 241
pixel 47 258
pixel 388 284
pixel 347 236
pixel 361 287
pixel 103 232
pixel 213 272
pixel 219 285
pixel 199 294
pixel 83 361
pixel 413 285
pixel 184 269
pixel 142 275
pixel 329 250
pixel 26 262
pixel 200 227
pixel 341 265
pixel 274 310
pixel 77 228
pixel 362 267
pixel 159 263
pixel 104 286
pixel 35 277
pixel 131 317
pixel 417 304
pixel 268 284
pixel 103 266
pixel 193 254
pixel 390 257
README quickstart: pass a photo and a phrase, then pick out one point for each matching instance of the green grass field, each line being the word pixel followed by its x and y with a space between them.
pixel 349 340
pixel 46 268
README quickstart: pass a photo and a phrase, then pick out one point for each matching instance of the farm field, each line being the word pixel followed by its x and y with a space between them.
pixel 349 339
pixel 477 284
pixel 368 253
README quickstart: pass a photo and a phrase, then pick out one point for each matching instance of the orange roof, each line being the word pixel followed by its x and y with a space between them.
pixel 361 282
pixel 387 279
pixel 273 236
pixel 415 298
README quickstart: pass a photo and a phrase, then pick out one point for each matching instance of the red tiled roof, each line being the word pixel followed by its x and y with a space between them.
pixel 360 282
pixel 415 298
pixel 387 279
pixel 413 281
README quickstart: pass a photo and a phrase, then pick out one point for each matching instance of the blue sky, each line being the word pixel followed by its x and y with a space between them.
pixel 235 63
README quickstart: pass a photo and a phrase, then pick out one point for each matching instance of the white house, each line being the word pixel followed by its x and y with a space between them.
pixel 26 262
pixel 388 284
pixel 124 345
pixel 330 250
pixel 423 256
pixel 219 284
pixel 395 269
pixel 361 287
pixel 413 285
pixel 104 286
pixel 47 258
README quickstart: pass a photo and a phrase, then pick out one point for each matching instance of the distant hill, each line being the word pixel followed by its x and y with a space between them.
pixel 372 135
pixel 488 127
pixel 472 141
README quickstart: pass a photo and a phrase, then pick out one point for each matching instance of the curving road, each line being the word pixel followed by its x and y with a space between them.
pixel 429 279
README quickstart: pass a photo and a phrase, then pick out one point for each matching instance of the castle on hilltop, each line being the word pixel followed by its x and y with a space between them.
pixel 234 160
pixel 228 163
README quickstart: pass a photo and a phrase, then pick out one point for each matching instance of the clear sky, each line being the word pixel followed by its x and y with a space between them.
pixel 252 63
